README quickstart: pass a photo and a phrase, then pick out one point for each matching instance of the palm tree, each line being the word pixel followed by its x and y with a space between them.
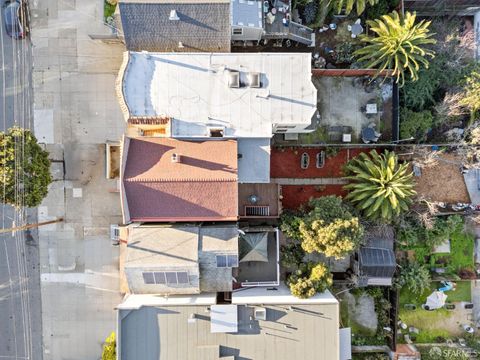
pixel 348 4
pixel 379 186
pixel 399 45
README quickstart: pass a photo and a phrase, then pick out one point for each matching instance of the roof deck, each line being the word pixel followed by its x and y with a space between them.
pixel 260 273
pixel 259 200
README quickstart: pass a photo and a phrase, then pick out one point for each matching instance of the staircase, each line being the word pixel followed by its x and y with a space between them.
pixel 257 210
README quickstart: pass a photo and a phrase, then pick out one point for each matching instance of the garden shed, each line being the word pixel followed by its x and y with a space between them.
pixel 377 264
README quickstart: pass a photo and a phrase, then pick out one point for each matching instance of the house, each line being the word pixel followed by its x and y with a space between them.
pixel 247 97
pixel 170 180
pixel 207 25
pixel 190 259
pixel 179 259
pixel 256 323
pixel 180 26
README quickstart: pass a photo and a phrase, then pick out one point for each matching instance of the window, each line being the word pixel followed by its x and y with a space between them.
pixel 148 278
pixel 159 278
pixel 216 132
pixel 227 261
pixel 165 278
pixel 237 31
pixel 171 277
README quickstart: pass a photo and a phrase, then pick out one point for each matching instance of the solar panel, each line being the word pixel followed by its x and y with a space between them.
pixel 182 277
pixel 232 260
pixel 171 277
pixel 221 261
pixel 148 278
pixel 159 277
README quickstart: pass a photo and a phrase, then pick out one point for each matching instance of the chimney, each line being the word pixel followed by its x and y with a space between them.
pixel 176 158
pixel 173 15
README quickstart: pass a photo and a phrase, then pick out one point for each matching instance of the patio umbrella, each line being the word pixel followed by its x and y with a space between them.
pixel 436 300
pixel 253 247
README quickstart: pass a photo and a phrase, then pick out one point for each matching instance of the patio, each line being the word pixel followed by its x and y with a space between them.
pixel 350 105
pixel 259 200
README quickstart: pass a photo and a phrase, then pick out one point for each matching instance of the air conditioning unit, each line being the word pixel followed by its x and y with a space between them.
pixel 254 79
pixel 115 234
pixel 233 79
pixel 260 313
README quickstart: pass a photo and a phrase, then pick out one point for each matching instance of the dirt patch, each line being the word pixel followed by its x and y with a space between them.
pixel 443 181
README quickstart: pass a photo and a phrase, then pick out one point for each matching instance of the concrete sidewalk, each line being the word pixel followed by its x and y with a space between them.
pixel 76 112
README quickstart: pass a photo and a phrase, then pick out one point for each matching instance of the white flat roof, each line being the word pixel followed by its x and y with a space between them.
pixel 131 302
pixel 193 89
pixel 223 319
pixel 254 162
pixel 282 295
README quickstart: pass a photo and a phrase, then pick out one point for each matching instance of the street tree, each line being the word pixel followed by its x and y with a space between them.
pixel 24 169
pixel 400 45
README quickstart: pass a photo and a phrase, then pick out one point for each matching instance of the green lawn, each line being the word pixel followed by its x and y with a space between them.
pixel 462 292
pixel 426 320
pixel 461 252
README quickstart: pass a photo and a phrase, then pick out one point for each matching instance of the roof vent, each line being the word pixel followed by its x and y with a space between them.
pixel 173 15
pixel 254 79
pixel 180 45
pixel 176 158
pixel 260 313
pixel 233 79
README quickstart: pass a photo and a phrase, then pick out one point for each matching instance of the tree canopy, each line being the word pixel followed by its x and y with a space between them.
pixel 360 5
pixel 327 227
pixel 24 169
pixel 399 45
pixel 109 348
pixel 309 280
pixel 380 187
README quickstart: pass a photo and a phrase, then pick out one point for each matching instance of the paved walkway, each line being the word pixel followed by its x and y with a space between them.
pixel 75 112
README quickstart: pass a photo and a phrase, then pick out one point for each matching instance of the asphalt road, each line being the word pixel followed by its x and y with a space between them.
pixel 20 300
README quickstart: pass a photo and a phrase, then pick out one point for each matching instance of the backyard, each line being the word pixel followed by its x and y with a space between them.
pixel 437 325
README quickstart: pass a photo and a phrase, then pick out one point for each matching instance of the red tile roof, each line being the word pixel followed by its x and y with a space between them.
pixel 201 187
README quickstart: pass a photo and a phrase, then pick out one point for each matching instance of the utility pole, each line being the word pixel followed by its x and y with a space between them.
pixel 30 226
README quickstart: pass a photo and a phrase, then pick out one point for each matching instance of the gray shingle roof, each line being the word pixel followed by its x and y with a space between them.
pixel 202 26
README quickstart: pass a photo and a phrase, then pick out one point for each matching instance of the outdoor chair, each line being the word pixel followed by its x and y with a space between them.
pixel 410 307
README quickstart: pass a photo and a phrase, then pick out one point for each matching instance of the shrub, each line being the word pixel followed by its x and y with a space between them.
pixel 414 276
pixel 292 254
pixel 415 124
pixel 310 12
pixel 380 187
pixel 310 279
pixel 109 348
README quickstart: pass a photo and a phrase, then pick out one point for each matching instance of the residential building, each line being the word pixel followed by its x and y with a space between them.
pixel 177 25
pixel 170 180
pixel 179 259
pixel 256 323
pixel 247 97
pixel 207 25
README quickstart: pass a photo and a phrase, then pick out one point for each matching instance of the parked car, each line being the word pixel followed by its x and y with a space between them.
pixel 12 19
